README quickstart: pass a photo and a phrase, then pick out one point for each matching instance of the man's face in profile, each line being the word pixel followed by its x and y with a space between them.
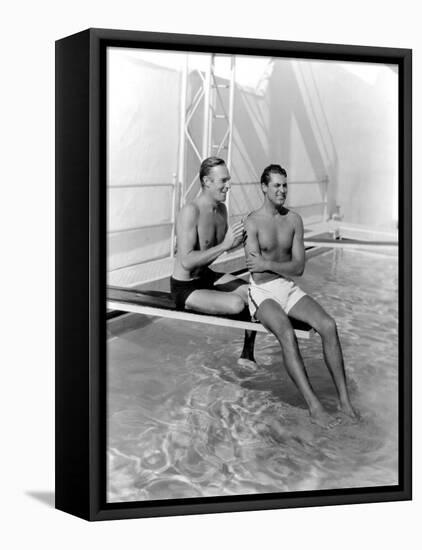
pixel 217 182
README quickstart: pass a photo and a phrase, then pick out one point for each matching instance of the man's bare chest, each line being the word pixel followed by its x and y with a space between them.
pixel 211 230
pixel 276 235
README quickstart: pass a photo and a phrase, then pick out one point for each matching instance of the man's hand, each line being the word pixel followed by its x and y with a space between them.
pixel 256 263
pixel 233 236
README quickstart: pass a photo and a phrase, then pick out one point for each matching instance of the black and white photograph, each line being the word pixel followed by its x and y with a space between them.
pixel 210 236
pixel 252 275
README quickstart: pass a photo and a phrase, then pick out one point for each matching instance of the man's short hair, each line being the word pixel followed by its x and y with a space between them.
pixel 272 169
pixel 207 165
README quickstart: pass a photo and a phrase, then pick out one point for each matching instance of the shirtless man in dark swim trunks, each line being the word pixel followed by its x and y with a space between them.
pixel 275 252
pixel 203 234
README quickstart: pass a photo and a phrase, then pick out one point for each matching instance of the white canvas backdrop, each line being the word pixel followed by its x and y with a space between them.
pixel 322 120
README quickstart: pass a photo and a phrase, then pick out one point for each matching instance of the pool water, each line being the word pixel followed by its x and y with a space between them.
pixel 185 420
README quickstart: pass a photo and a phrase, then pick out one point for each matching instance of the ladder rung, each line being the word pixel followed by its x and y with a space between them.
pixel 220 86
pixel 220 147
pixel 220 116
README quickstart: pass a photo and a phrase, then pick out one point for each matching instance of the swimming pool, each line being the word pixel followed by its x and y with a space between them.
pixel 184 420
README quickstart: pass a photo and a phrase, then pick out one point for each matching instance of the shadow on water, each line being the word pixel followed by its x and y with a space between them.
pixel 127 323
pixel 45 497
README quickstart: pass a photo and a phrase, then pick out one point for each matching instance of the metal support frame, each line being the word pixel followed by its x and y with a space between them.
pixel 209 97
pixel 181 161
pixel 207 121
pixel 213 107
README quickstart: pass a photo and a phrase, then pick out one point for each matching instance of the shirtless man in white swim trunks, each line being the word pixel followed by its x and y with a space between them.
pixel 275 252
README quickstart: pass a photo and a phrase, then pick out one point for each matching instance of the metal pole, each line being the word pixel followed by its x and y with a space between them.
pixel 206 122
pixel 173 216
pixel 230 122
pixel 325 198
pixel 231 112
pixel 182 129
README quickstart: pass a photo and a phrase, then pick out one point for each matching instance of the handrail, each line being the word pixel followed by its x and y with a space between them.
pixel 143 184
pixel 307 205
pixel 172 221
pixel 156 224
pixel 141 262
pixel 298 182
pixel 234 183
pixel 164 223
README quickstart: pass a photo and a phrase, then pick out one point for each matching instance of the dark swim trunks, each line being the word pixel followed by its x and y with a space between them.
pixel 181 290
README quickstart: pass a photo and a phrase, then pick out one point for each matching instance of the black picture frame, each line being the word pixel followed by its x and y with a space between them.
pixel 81 273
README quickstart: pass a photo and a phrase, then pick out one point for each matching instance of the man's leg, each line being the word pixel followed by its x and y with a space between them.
pixel 248 348
pixel 240 287
pixel 274 319
pixel 308 310
pixel 223 302
pixel 214 301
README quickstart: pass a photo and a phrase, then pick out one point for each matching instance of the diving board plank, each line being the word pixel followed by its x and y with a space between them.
pixel 185 316
pixel 196 317
pixel 160 304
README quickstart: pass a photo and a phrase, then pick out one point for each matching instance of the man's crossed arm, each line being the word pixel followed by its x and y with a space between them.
pixel 256 263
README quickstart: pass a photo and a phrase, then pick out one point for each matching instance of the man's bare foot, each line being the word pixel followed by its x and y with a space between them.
pixel 348 411
pixel 323 419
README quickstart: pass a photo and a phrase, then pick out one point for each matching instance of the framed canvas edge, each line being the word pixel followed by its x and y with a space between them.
pixel 72 300
pixel 98 509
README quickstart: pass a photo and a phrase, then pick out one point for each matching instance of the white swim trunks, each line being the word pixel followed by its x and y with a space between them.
pixel 283 291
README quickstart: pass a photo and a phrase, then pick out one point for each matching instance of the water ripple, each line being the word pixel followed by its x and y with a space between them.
pixel 185 420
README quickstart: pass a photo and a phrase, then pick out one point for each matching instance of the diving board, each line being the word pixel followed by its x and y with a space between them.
pixel 161 304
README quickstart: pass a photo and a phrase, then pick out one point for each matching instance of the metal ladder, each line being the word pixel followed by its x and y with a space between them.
pixel 215 96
